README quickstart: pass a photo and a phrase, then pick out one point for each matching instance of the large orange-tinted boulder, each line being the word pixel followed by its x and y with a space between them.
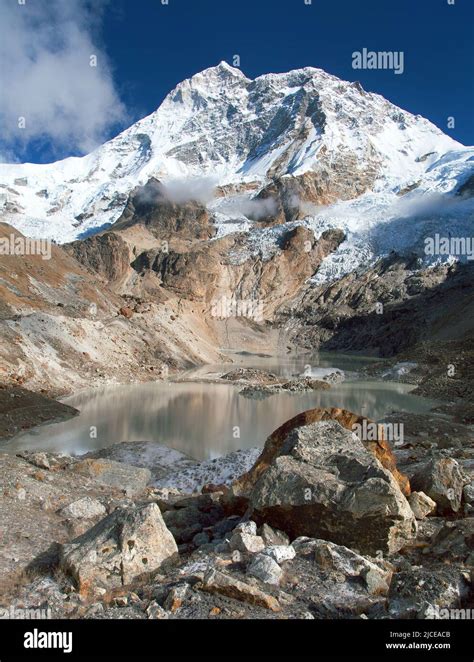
pixel 378 446
pixel 324 483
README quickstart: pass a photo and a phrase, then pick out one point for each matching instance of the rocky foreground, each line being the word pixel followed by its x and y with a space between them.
pixel 320 524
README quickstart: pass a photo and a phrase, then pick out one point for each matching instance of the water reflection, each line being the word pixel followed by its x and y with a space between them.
pixel 203 420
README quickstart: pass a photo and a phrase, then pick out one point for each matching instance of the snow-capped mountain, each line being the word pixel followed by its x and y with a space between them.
pixel 221 129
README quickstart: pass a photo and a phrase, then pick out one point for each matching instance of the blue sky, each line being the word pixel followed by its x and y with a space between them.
pixel 145 48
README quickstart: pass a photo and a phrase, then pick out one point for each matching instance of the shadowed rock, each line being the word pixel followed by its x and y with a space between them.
pixel 443 481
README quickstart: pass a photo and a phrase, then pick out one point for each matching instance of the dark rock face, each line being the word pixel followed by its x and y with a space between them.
pixel 151 206
pixel 107 254
pixel 324 483
pixel 205 271
pixel 385 310
pixel 21 409
pixel 455 541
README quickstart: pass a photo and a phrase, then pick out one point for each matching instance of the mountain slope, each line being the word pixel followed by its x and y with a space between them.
pixel 346 159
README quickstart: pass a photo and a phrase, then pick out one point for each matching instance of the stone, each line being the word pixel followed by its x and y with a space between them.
pixel 266 569
pixel 220 583
pixel 155 611
pixel 339 560
pixel 246 542
pixel 421 504
pixel 127 312
pixel 468 498
pixel 443 481
pixel 417 592
pixel 201 538
pixel 455 541
pixel 176 597
pixel 324 483
pixel 126 544
pixel 130 480
pixel 43 460
pixel 249 528
pixel 273 536
pixel 225 526
pixel 85 508
pixel 280 553
pixel 378 447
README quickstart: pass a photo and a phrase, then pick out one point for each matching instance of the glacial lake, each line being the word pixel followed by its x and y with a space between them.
pixel 206 420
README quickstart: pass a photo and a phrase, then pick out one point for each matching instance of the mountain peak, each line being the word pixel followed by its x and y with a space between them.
pixel 222 71
pixel 242 134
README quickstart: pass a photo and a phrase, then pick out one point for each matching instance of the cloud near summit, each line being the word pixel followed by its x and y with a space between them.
pixel 47 77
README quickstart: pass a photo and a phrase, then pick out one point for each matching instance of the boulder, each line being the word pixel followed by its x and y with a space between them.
pixel 126 544
pixel 246 527
pixel 443 481
pixel 246 542
pixel 280 553
pixel 416 593
pixel 322 482
pixel 176 597
pixel 273 536
pixel 127 312
pixel 468 498
pixel 379 447
pixel 85 508
pixel 266 569
pixel 130 480
pixel 421 504
pixel 221 583
pixel 340 562
pixel 155 611
pixel 455 541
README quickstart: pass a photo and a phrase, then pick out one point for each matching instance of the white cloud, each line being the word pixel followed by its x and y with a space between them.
pixel 199 189
pixel 45 51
